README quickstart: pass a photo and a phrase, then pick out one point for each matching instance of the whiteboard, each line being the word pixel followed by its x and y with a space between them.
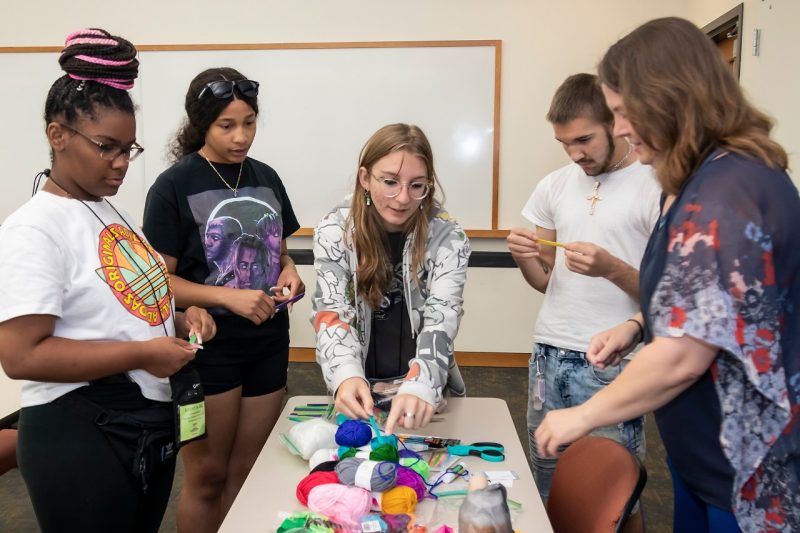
pixel 318 105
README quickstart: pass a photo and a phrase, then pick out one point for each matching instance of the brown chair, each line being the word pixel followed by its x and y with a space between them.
pixel 595 487
pixel 8 450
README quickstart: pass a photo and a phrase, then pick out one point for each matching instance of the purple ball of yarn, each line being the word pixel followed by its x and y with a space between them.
pixel 405 452
pixel 409 478
pixel 353 433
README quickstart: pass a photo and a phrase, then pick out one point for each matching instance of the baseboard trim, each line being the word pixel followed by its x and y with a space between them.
pixel 494 359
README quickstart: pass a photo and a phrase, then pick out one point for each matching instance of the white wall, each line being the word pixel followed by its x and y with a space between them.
pixel 770 79
pixel 543 42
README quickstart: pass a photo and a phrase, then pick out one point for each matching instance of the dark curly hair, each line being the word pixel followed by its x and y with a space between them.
pixel 201 113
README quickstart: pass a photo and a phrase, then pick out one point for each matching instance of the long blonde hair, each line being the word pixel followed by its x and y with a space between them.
pixel 369 236
pixel 683 100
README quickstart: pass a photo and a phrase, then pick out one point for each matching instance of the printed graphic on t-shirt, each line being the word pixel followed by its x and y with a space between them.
pixel 241 237
pixel 393 296
pixel 135 274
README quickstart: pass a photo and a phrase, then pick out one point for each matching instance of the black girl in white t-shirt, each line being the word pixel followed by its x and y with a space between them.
pixel 87 317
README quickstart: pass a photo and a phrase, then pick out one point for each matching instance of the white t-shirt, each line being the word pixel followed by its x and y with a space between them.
pixel 99 282
pixel 576 306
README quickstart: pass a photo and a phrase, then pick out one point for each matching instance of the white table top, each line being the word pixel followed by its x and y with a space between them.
pixel 270 487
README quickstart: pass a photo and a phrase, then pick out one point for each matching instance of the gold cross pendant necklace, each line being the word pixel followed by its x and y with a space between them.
pixel 595 197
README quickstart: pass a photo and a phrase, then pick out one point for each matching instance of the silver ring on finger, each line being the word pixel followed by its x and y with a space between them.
pixel 409 415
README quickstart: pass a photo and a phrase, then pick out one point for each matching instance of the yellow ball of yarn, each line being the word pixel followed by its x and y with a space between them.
pixel 399 500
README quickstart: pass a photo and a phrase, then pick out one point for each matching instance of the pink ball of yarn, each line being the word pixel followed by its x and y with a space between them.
pixel 313 480
pixel 341 503
pixel 409 478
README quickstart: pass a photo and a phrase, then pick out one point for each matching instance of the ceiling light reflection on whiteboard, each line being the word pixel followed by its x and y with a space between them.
pixel 470 144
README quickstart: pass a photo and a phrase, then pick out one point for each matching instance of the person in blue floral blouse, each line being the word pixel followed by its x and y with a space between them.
pixel 720 290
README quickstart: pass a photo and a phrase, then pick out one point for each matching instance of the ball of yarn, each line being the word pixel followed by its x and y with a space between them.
pixel 321 456
pixel 342 503
pixel 312 435
pixel 399 500
pixel 353 433
pixel 410 478
pixel 384 452
pixel 417 465
pixel 326 466
pixel 370 475
pixel 312 481
pixel 381 440
pixel 362 452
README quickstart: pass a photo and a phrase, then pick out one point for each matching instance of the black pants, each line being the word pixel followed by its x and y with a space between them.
pixel 75 480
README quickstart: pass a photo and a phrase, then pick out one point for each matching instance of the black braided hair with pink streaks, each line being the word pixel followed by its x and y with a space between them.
pixel 100 69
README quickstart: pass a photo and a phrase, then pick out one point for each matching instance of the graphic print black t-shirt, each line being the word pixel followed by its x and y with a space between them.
pixel 220 238
pixel 391 344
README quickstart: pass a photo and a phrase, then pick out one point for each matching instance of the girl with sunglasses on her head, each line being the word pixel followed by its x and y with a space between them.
pixel 391 267
pixel 206 215
pixel 87 317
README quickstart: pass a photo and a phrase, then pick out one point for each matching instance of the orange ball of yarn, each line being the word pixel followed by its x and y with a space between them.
pixel 312 480
pixel 399 500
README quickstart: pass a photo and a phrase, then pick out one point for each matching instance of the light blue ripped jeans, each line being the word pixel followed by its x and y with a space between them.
pixel 570 380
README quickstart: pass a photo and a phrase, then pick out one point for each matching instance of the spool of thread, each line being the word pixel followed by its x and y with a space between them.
pixel 417 465
pixel 353 433
pixel 312 435
pixel 369 475
pixel 399 500
pixel 410 478
pixel 341 503
pixel 321 456
pixel 312 481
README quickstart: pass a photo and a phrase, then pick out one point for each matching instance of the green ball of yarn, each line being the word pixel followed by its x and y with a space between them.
pixel 348 452
pixel 385 452
pixel 417 465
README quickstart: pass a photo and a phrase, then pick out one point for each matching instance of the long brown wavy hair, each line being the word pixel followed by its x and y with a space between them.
pixel 683 101
pixel 369 236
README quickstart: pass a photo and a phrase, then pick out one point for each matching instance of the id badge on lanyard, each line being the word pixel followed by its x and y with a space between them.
pixel 188 402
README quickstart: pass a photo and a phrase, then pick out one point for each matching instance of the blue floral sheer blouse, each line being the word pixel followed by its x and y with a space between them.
pixel 723 266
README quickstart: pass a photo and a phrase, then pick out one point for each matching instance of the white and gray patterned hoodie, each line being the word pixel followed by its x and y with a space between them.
pixel 342 319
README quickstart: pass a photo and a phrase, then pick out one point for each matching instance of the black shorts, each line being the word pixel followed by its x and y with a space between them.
pixel 243 355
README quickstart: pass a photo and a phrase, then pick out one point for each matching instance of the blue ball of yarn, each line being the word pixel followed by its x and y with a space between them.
pixel 353 433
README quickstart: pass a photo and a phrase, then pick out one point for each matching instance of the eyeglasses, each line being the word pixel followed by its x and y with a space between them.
pixel 223 89
pixel 109 152
pixel 391 187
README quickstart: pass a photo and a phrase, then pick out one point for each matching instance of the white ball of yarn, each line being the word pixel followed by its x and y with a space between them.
pixel 323 455
pixel 312 435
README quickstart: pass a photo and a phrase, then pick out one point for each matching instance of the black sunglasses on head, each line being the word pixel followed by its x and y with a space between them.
pixel 223 89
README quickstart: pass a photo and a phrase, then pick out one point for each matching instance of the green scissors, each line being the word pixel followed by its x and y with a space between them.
pixel 488 451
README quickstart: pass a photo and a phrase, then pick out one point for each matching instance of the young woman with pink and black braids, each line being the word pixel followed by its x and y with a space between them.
pixel 87 318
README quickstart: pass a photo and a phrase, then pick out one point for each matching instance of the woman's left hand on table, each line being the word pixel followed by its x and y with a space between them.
pixel 408 412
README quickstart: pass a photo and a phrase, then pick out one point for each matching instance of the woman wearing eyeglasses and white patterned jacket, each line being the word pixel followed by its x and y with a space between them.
pixel 391 267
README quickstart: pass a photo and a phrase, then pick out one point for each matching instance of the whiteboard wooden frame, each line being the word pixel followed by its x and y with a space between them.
pixel 496 45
